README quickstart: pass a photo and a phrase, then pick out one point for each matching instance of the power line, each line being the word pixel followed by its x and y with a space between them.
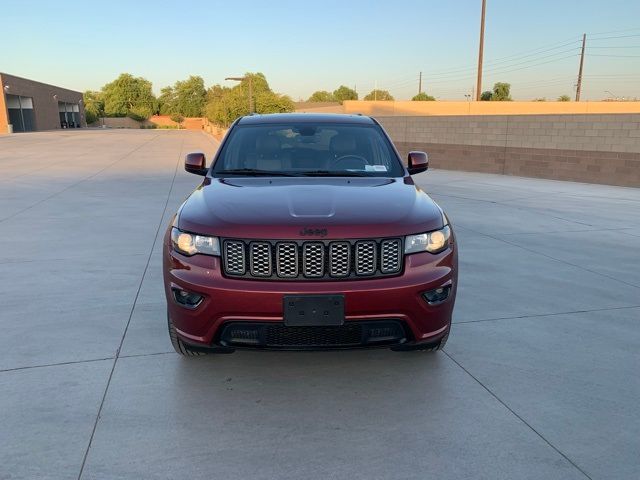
pixel 621 36
pixel 616 56
pixel 508 68
pixel 608 55
pixel 615 46
pixel 536 64
pixel 615 31
pixel 509 59
pixel 522 60
pixel 504 59
pixel 613 75
pixel 494 73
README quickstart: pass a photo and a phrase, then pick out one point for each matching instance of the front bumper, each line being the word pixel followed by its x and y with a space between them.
pixel 369 304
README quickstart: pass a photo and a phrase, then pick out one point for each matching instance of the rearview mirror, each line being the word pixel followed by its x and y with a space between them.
pixel 195 162
pixel 417 162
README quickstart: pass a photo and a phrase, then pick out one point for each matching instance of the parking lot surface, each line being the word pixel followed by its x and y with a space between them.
pixel 539 379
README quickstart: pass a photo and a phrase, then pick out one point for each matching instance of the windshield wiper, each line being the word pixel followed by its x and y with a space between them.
pixel 254 171
pixel 335 173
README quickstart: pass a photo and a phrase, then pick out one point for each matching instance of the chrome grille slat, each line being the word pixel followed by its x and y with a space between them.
pixel 260 259
pixel 287 260
pixel 234 259
pixel 339 259
pixel 366 258
pixel 312 260
pixel 390 255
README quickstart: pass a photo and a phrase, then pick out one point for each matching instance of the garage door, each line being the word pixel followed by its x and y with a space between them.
pixel 21 113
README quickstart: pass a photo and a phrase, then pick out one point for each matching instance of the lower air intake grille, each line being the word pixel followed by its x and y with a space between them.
pixel 345 335
pixel 277 335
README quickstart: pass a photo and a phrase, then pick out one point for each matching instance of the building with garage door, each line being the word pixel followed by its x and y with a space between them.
pixel 27 105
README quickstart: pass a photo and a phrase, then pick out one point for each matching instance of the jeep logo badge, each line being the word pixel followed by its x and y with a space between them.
pixel 313 232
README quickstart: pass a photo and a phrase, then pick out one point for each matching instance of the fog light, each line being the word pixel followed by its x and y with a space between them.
pixel 186 299
pixel 438 295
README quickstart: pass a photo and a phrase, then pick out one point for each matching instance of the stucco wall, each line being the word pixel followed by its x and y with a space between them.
pixel 405 108
pixel 587 148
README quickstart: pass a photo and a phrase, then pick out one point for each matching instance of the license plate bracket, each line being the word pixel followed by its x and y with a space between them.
pixel 313 310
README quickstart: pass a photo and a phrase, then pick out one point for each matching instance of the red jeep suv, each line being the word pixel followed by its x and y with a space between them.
pixel 308 232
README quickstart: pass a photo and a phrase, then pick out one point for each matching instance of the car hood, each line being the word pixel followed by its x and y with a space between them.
pixel 309 207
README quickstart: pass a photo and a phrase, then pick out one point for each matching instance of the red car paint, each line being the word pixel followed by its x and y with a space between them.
pixel 308 208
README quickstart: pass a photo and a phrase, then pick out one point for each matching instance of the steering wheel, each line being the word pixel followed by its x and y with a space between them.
pixel 349 157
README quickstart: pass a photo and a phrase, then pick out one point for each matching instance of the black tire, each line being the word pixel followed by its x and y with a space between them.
pixel 178 345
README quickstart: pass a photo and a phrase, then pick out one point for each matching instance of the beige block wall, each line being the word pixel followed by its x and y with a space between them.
pixel 119 122
pixel 613 132
pixel 585 148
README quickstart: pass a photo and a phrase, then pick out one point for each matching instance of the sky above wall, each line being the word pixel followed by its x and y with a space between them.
pixel 305 46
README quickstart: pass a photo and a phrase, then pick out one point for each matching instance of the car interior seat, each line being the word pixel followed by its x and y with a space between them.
pixel 342 145
pixel 268 155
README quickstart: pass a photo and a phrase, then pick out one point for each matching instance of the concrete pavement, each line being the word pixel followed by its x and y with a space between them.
pixel 538 380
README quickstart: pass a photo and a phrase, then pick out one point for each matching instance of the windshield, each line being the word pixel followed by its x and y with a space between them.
pixel 308 149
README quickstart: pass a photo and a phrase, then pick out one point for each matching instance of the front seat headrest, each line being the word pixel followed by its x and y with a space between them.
pixel 342 143
pixel 267 144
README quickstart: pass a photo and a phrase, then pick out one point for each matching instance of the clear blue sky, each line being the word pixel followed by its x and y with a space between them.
pixel 303 46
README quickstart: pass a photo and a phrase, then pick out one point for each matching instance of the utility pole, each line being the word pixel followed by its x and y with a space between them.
pixel 480 52
pixel 579 85
pixel 375 91
pixel 420 84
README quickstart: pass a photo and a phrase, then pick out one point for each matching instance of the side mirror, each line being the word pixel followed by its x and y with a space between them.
pixel 417 162
pixel 195 162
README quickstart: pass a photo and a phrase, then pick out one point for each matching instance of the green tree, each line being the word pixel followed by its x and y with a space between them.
pixel 166 101
pixel 486 96
pixel 185 97
pixel 129 96
pixel 270 102
pixel 225 104
pixel 343 93
pixel 176 117
pixel 93 105
pixel 190 96
pixel 423 97
pixel 379 95
pixel 564 98
pixel 321 96
pixel 501 92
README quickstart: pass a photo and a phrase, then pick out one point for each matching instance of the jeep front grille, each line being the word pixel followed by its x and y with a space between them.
pixel 260 259
pixel 287 260
pixel 312 260
pixel 390 256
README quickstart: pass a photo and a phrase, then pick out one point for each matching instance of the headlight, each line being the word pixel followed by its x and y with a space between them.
pixel 190 244
pixel 433 242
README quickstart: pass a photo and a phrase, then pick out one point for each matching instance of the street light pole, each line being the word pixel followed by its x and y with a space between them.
pixel 250 79
pixel 480 52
